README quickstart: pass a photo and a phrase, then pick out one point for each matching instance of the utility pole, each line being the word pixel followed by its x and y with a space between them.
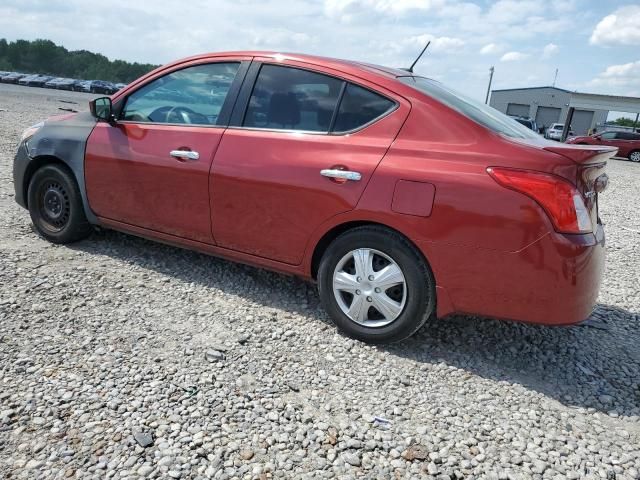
pixel 555 77
pixel 486 100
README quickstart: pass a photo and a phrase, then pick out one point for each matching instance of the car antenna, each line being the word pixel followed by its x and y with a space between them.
pixel 410 69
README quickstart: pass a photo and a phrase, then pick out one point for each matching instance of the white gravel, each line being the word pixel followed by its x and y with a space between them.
pixel 122 358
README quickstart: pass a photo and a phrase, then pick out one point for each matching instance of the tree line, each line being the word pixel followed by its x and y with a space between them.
pixel 45 57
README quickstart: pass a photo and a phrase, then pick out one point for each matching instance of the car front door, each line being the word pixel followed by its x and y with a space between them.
pixel 150 168
pixel 609 138
pixel 294 133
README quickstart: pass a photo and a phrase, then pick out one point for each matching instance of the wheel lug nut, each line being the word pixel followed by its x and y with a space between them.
pixel 377 290
pixel 369 299
pixel 358 279
pixel 370 277
pixel 358 292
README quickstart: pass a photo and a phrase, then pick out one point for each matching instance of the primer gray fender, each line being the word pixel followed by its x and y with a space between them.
pixel 67 140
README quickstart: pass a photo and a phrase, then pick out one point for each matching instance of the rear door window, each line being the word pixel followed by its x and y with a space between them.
pixel 287 98
pixel 359 107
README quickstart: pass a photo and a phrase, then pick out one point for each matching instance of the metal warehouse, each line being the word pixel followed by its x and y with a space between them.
pixel 549 105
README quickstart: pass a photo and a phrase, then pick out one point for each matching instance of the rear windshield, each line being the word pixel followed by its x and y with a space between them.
pixel 475 110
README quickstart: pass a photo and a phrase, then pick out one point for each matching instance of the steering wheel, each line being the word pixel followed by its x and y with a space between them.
pixel 182 112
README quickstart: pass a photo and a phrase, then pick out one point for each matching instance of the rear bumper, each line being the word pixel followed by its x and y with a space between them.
pixel 553 281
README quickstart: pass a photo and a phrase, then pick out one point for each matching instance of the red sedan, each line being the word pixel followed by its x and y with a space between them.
pixel 402 198
pixel 627 143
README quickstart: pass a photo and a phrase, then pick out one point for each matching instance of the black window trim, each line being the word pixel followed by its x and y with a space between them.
pixel 227 106
pixel 242 103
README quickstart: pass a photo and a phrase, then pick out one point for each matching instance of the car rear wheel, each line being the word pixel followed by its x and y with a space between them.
pixel 635 156
pixel 56 206
pixel 375 285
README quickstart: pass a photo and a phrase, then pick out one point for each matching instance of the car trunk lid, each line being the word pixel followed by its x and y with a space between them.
pixel 591 178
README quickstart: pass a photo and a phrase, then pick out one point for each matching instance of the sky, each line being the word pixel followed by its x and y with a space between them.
pixel 593 43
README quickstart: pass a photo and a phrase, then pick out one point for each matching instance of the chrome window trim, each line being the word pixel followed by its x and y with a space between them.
pixel 131 122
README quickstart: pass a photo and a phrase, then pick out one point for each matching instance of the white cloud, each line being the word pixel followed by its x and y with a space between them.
pixel 549 50
pixel 513 56
pixel 622 27
pixel 513 11
pixel 280 38
pixel 622 79
pixel 490 49
pixel 349 10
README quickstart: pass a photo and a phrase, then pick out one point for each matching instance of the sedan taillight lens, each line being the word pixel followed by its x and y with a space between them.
pixel 559 198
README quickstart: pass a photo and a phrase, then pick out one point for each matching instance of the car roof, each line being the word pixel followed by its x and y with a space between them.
pixel 336 63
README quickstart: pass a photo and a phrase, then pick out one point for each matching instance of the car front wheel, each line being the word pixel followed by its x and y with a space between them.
pixel 375 285
pixel 56 206
pixel 635 156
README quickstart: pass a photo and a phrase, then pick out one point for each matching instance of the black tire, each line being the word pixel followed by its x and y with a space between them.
pixel 62 219
pixel 634 156
pixel 420 300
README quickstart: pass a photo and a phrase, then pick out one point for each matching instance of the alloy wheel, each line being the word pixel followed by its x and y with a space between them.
pixel 635 156
pixel 369 287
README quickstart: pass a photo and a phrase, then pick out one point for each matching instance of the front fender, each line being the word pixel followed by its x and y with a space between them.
pixel 64 139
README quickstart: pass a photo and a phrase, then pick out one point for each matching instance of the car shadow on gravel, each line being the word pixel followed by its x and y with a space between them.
pixel 592 365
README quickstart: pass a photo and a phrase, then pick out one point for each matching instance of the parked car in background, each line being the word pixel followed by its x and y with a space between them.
pixel 628 143
pixel 530 123
pixel 120 86
pixel 100 86
pixel 554 132
pixel 402 198
pixel 82 86
pixel 66 84
pixel 12 77
pixel 54 82
pixel 26 79
pixel 35 80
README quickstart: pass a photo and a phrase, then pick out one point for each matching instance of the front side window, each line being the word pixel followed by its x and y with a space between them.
pixel 359 107
pixel 286 98
pixel 473 109
pixel 193 96
pixel 609 135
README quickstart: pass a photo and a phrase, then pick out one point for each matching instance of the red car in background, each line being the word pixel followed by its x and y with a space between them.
pixel 402 198
pixel 627 143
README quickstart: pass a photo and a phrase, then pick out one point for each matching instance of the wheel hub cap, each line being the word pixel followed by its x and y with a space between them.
pixel 369 287
pixel 53 202
pixel 54 206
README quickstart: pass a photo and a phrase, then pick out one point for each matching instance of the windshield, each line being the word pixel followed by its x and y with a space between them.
pixel 473 109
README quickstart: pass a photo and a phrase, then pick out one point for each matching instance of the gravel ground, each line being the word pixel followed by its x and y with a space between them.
pixel 122 358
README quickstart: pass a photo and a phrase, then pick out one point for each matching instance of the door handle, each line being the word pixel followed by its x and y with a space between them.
pixel 341 174
pixel 185 154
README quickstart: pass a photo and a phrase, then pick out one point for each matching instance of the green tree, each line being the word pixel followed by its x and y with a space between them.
pixel 44 56
pixel 624 122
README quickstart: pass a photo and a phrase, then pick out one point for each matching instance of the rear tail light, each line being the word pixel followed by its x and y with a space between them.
pixel 560 199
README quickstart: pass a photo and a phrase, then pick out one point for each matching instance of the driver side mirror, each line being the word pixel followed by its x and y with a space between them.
pixel 101 108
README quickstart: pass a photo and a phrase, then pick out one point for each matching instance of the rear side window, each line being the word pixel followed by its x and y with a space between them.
pixel 292 99
pixel 471 108
pixel 359 107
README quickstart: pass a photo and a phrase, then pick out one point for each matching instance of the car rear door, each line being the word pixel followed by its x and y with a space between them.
pixel 150 168
pixel 274 176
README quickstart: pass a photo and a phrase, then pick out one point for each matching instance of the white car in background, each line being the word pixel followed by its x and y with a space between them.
pixel 554 132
